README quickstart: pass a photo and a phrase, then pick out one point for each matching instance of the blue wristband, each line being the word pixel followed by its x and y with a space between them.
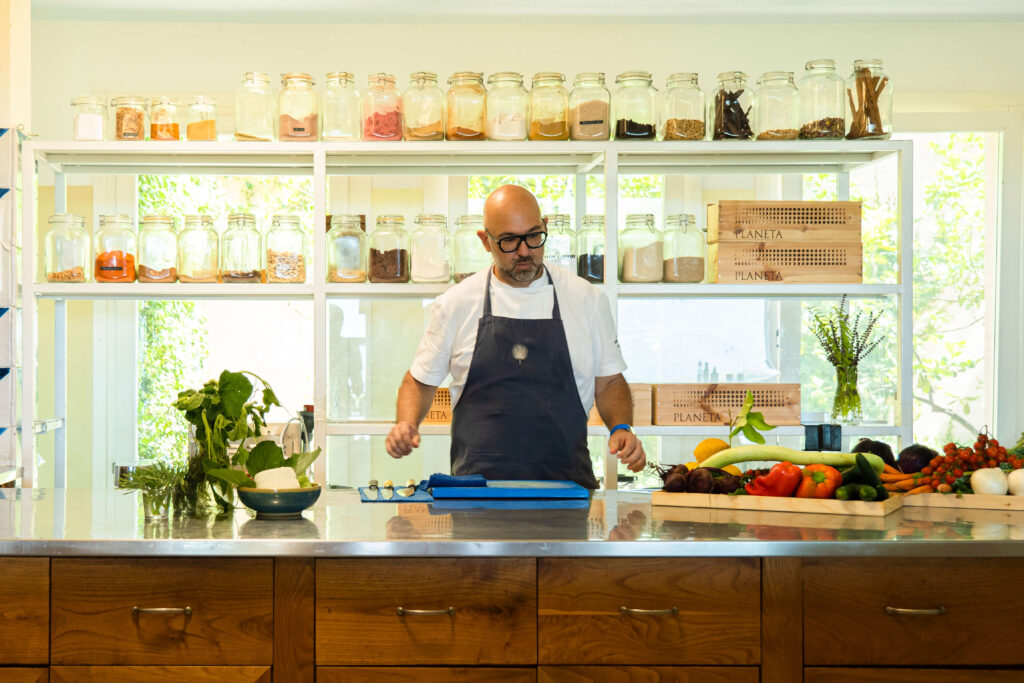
pixel 618 427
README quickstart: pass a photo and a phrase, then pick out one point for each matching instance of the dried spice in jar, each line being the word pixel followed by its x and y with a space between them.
pixel 634 106
pixel 549 107
pixel 67 249
pixel 821 99
pixel 202 119
pixel 382 109
pixel 286 246
pixel 163 119
pixel 467 106
pixel 391 265
pixel 299 107
pixel 129 118
pixel 869 100
pixel 115 266
pixel 685 108
pixel 114 248
pixel 733 105
pixel 589 108
pixel 423 108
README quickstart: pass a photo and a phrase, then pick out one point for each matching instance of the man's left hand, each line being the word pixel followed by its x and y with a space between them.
pixel 628 449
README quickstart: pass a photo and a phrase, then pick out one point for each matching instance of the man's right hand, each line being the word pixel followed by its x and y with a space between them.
pixel 402 439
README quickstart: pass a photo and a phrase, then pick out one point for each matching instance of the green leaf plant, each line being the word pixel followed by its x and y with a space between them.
pixel 749 422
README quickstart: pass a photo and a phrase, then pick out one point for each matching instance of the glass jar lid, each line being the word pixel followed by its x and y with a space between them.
pixel 289 221
pixel 422 78
pixel 202 101
pixel 593 221
pixel 548 78
pixel 727 76
pixel 680 219
pixel 432 219
pixel 118 219
pixel 381 80
pixel 340 78
pixel 255 78
pixel 67 219
pixel 776 78
pixel 164 102
pixel 867 64
pixel 128 101
pixel 244 218
pixel 633 76
pixel 298 77
pixel 391 219
pixel 204 220
pixel 347 220
pixel 88 100
pixel 821 65
pixel 681 78
pixel 505 77
pixel 589 78
pixel 634 219
pixel 471 218
pixel 558 220
pixel 161 219
pixel 460 77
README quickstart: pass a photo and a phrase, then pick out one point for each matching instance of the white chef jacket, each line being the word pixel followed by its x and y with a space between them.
pixel 447 345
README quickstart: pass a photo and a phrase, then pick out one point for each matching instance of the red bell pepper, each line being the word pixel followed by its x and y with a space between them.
pixel 781 481
pixel 819 481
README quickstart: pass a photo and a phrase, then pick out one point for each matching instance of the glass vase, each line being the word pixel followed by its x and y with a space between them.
pixel 201 496
pixel 846 407
pixel 156 503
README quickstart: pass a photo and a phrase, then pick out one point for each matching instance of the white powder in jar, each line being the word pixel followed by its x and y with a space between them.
pixel 507 126
pixel 88 126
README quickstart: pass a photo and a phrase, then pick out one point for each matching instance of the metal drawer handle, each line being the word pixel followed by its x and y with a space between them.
pixel 136 611
pixel 403 612
pixel 649 612
pixel 906 612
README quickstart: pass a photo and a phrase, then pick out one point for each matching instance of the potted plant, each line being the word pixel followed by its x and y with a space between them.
pixel 157 481
pixel 845 344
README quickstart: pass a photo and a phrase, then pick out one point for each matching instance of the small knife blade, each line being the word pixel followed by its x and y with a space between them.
pixel 388 490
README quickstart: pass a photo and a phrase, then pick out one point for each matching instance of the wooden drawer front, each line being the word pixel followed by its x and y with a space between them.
pixel 231 623
pixel 24 675
pixel 24 610
pixel 911 676
pixel 494 620
pixel 846 622
pixel 411 674
pixel 160 674
pixel 718 620
pixel 648 674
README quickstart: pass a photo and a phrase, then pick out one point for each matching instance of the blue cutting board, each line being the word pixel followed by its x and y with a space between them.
pixel 498 488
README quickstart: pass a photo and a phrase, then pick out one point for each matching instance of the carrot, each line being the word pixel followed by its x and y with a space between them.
pixel 921 489
pixel 892 487
pixel 894 477
pixel 889 469
pixel 906 484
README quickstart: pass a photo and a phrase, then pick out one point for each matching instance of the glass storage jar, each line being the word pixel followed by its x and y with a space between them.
pixel 382 109
pixel 89 113
pixel 467 106
pixel 114 249
pixel 286 250
pixel 589 108
pixel 685 108
pixel 776 107
pixel 342 108
pixel 158 250
pixel 470 255
pixel 129 118
pixel 590 249
pixel 202 118
pixel 560 247
pixel 67 249
pixel 634 106
pixel 164 119
pixel 549 107
pixel 346 249
pixel 640 250
pixel 241 255
pixel 430 250
pixel 731 108
pixel 423 108
pixel 298 109
pixel 870 92
pixel 822 101
pixel 197 250
pixel 508 107
pixel 255 109
pixel 389 250
pixel 685 250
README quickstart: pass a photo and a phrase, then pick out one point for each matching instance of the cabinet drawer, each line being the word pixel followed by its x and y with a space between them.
pixel 41 675
pixel 911 676
pixel 582 620
pixel 231 602
pixel 160 674
pixel 648 674
pixel 849 605
pixel 24 610
pixel 411 674
pixel 493 620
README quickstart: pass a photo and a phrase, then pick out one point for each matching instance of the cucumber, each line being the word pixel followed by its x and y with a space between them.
pixel 867 492
pixel 883 493
pixel 847 492
pixel 732 456
pixel 851 475
pixel 867 474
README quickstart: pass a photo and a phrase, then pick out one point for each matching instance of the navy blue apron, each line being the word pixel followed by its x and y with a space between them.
pixel 520 415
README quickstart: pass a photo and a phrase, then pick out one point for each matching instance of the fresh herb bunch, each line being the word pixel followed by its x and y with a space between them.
pixel 266 455
pixel 749 422
pixel 158 475
pixel 845 344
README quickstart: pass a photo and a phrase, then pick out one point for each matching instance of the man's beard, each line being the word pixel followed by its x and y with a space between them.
pixel 522 276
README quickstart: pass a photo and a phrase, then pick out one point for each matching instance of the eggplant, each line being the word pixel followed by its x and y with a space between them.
pixel 915 458
pixel 879 448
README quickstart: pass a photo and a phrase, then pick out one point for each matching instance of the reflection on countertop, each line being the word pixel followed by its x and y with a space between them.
pixel 96 522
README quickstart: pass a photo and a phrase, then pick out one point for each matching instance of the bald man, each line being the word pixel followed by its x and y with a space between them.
pixel 529 347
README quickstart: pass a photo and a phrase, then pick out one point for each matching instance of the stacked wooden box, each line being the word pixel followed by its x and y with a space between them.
pixel 703 404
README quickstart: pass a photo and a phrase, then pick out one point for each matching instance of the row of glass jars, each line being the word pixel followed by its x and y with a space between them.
pixel 162 254
pixel 130 115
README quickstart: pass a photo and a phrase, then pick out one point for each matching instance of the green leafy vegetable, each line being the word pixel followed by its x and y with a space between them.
pixel 751 423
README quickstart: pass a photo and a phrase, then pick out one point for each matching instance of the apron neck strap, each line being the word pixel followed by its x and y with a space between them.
pixel 556 314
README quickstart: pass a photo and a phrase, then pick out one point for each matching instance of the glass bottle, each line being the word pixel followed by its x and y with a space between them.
pixel 685 108
pixel 776 107
pixel 197 250
pixel 470 254
pixel 467 106
pixel 731 108
pixel 640 250
pixel 202 119
pixel 164 119
pixel 684 250
pixel 158 250
pixel 560 247
pixel 129 118
pixel 871 93
pixel 346 249
pixel 255 109
pixel 114 249
pixel 67 249
pixel 508 107
pixel 389 250
pixel 299 109
pixel 589 108
pixel 430 250
pixel 382 109
pixel 89 114
pixel 286 250
pixel 343 108
pixel 423 108
pixel 241 256
pixel 822 101
pixel 633 107
pixel 549 107
pixel 590 250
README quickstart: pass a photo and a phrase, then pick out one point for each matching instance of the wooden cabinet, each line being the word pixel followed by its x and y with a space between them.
pixel 899 612
pixel 648 674
pixel 24 610
pixel 649 611
pixel 101 611
pixel 458 611
pixel 912 676
pixel 160 674
pixel 413 674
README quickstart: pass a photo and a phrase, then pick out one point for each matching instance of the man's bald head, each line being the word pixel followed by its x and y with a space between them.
pixel 511 209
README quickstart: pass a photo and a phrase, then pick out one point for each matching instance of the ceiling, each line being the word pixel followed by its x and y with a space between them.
pixel 530 11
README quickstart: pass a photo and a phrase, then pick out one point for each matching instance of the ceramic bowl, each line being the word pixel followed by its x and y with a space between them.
pixel 278 504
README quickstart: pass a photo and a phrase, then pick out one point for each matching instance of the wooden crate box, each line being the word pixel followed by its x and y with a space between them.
pixel 702 404
pixel 643 400
pixel 771 221
pixel 440 412
pixel 800 262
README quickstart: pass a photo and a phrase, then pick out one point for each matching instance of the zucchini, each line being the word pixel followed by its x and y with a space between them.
pixel 732 456
pixel 883 493
pixel 867 492
pixel 867 474
pixel 851 475
pixel 847 492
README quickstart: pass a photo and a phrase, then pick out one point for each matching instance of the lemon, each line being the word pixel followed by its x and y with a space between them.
pixel 692 465
pixel 708 447
pixel 732 469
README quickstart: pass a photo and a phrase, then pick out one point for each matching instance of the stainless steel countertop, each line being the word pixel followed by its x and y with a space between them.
pixel 616 524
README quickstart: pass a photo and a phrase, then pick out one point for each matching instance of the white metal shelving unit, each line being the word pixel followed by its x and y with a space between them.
pixel 323 160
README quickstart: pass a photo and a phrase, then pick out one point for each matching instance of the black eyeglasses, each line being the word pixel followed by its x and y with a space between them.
pixel 534 240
